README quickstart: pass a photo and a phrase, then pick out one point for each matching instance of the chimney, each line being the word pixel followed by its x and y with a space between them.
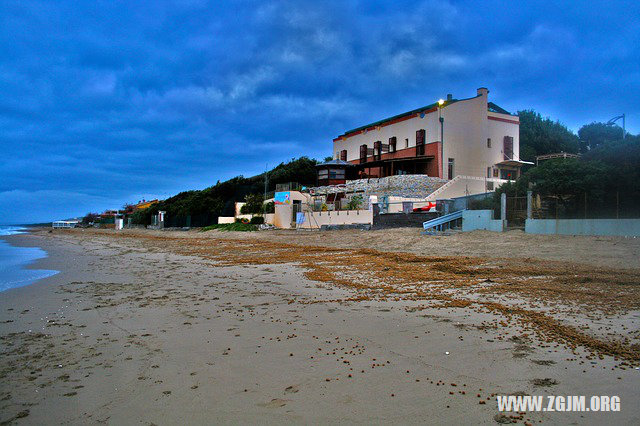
pixel 449 97
pixel 483 91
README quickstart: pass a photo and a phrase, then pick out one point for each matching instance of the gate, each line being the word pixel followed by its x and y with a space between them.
pixel 516 211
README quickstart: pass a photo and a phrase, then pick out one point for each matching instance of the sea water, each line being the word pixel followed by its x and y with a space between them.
pixel 14 260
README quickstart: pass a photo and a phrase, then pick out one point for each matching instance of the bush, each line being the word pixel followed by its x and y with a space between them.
pixel 257 220
pixel 241 227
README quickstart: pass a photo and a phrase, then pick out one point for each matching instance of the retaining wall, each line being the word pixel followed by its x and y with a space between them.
pixel 401 220
pixel 605 227
pixel 481 219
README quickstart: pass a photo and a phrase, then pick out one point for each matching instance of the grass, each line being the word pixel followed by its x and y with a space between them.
pixel 242 227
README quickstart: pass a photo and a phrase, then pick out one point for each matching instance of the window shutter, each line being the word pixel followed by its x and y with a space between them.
pixel 508 148
pixel 420 137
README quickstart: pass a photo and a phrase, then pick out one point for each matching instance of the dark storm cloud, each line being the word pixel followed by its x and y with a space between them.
pixel 105 102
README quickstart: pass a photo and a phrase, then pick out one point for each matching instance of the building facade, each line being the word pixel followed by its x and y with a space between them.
pixel 468 137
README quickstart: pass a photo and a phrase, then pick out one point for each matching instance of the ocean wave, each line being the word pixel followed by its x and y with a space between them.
pixel 12 230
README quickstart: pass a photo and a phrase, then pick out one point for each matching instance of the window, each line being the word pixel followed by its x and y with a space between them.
pixel 363 153
pixel 337 156
pixel 507 149
pixel 489 186
pixel 507 174
pixel 343 155
pixel 495 173
pixel 451 168
pixel 488 142
pixel 488 172
pixel 392 144
pixel 336 174
pixel 420 137
pixel 406 143
pixel 377 150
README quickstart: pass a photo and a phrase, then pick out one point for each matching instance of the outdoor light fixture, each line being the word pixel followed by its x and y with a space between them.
pixel 441 102
pixel 624 124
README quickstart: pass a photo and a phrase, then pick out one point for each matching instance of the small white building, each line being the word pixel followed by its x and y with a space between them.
pixel 65 223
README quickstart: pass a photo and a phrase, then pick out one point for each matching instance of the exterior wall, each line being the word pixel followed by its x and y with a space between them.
pixel 402 220
pixel 467 126
pixel 609 227
pixel 473 220
pixel 238 206
pixel 284 212
pixel 269 218
pixel 314 220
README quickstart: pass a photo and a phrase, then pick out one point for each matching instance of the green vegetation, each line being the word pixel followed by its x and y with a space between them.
pixel 238 226
pixel 253 204
pixel 204 206
pixel 355 202
pixel 540 136
pixel 606 178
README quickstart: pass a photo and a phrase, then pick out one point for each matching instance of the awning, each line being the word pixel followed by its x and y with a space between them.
pixel 513 163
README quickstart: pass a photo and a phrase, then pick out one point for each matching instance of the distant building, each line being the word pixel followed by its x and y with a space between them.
pixel 144 204
pixel 480 139
pixel 65 223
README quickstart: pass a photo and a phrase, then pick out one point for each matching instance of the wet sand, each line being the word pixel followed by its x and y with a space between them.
pixel 275 327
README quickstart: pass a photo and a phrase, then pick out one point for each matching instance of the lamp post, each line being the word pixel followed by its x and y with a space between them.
pixel 441 119
pixel 614 119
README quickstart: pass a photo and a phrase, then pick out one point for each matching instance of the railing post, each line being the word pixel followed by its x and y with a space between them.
pixel 503 206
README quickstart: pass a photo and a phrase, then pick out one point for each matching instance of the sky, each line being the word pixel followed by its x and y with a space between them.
pixel 108 102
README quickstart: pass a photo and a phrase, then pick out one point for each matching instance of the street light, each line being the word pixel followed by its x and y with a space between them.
pixel 614 119
pixel 441 119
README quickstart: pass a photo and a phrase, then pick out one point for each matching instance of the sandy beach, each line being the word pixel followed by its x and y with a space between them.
pixel 143 327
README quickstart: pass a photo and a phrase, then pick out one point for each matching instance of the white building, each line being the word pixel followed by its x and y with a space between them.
pixel 480 140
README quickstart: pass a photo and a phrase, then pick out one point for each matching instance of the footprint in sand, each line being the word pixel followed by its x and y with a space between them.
pixel 544 382
pixel 274 403
pixel 292 389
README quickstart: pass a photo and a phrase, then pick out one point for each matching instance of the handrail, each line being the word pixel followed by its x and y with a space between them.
pixel 437 223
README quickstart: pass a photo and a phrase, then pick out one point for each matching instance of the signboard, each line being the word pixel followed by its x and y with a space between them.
pixel 282 198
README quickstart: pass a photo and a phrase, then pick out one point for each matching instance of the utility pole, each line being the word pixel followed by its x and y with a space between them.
pixel 266 178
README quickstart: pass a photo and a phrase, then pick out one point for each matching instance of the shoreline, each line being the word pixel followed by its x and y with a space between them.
pixel 176 327
pixel 25 240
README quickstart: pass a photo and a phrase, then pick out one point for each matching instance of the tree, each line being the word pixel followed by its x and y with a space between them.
pixel 220 198
pixel 90 217
pixel 253 204
pixel 540 136
pixel 597 134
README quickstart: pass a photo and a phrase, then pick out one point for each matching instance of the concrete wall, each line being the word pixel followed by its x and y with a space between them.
pixel 610 227
pixel 480 219
pixel 401 220
pixel 269 218
pixel 314 220
pixel 467 126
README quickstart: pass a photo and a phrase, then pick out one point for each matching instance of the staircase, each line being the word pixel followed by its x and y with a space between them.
pixel 461 185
